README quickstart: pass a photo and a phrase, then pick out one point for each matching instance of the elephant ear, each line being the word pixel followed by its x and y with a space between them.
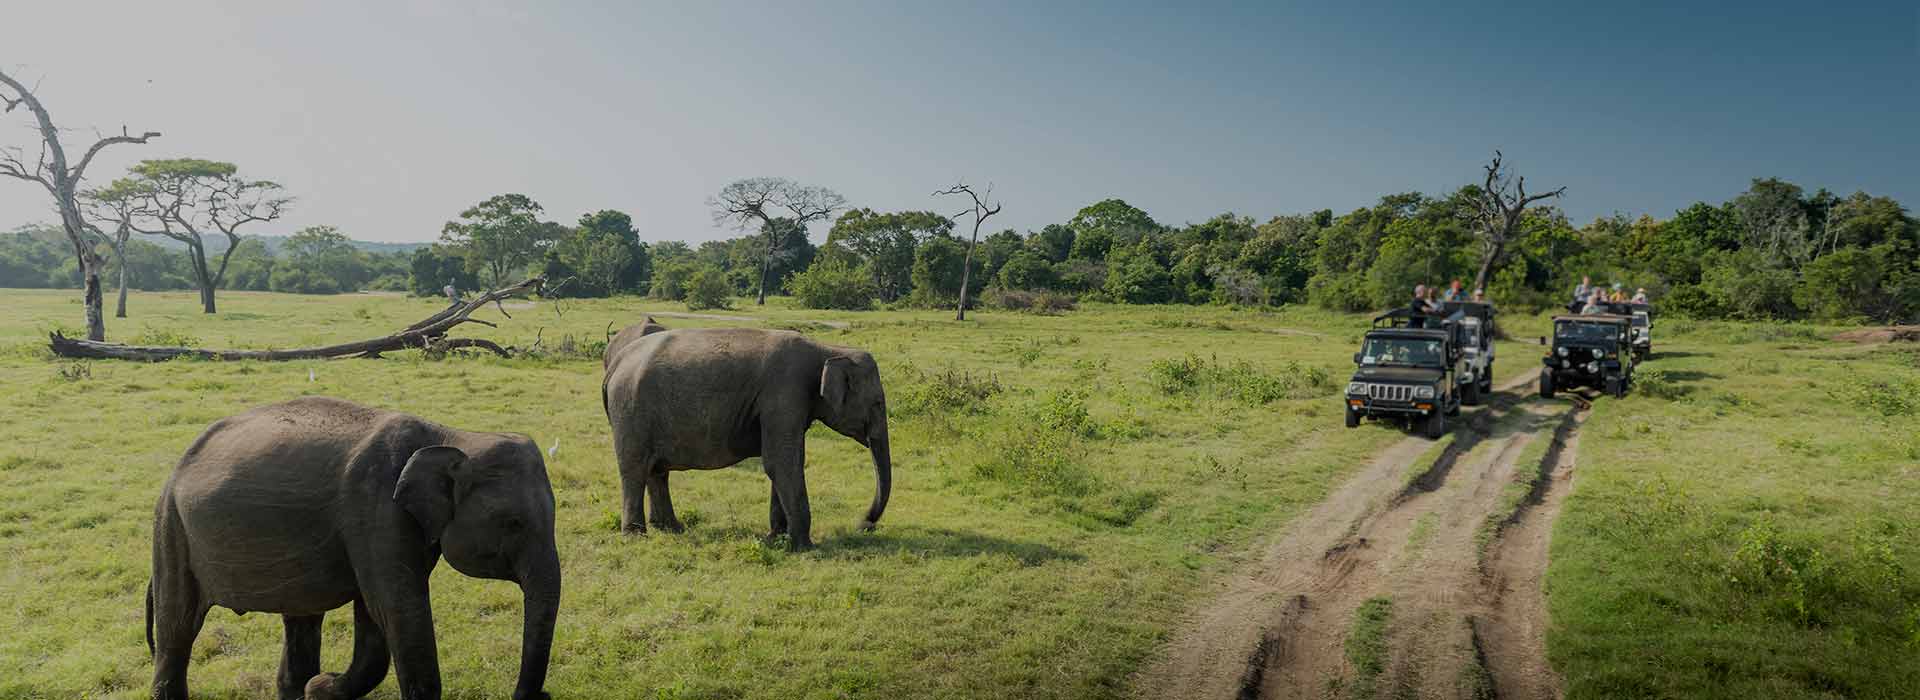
pixel 425 488
pixel 833 383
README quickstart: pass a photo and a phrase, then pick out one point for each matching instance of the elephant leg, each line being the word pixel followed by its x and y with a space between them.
pixel 662 502
pixel 636 472
pixel 776 516
pixel 299 655
pixel 365 671
pixel 405 613
pixel 786 460
pixel 178 610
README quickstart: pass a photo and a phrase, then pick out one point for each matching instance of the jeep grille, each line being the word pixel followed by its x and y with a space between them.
pixel 1390 392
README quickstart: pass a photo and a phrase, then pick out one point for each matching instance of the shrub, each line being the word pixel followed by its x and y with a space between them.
pixel 150 335
pixel 1241 381
pixel 1887 397
pixel 670 282
pixel 707 288
pixel 1065 412
pixel 948 390
pixel 1045 462
pixel 833 283
pixel 1656 383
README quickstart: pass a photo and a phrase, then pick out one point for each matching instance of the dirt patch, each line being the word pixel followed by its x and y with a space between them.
pixel 1886 334
pixel 1278 629
pixel 1513 632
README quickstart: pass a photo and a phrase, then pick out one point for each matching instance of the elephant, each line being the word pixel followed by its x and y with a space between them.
pixel 301 507
pixel 706 398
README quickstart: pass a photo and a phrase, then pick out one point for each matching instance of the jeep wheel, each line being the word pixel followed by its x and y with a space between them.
pixel 1470 393
pixel 1546 384
pixel 1353 418
pixel 1436 425
pixel 1616 388
pixel 1486 381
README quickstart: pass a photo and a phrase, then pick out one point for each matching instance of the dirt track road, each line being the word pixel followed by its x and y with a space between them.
pixel 1438 536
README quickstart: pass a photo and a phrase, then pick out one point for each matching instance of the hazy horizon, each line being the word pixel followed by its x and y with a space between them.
pixel 387 121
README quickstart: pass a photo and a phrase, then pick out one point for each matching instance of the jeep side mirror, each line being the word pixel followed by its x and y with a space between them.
pixel 1356 358
pixel 1541 340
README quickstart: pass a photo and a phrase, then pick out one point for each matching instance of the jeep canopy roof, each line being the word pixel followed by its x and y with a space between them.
pixel 1594 318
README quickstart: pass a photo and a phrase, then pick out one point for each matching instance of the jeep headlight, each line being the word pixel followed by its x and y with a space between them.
pixel 1423 392
pixel 1593 367
pixel 1356 387
pixel 1562 350
pixel 1598 352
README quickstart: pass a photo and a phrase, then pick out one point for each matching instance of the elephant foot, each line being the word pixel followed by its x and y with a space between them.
pixel 326 686
pixel 868 525
pixel 633 529
pixel 799 544
pixel 672 526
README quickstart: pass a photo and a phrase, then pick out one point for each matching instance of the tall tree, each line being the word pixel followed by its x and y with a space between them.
pixel 761 200
pixel 186 198
pixel 983 207
pixel 114 206
pixel 1496 210
pixel 501 236
pixel 884 243
pixel 52 172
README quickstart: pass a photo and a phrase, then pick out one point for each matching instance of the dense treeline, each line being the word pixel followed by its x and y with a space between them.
pixel 1773 252
pixel 317 260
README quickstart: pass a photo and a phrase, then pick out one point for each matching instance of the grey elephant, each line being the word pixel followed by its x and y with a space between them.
pixel 301 507
pixel 706 398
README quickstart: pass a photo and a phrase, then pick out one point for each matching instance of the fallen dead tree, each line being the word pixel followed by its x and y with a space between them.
pixel 429 334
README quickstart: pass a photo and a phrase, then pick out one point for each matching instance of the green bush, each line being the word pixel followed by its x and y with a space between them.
pixel 150 335
pixel 1240 380
pixel 1886 397
pixel 707 288
pixel 833 283
pixel 947 391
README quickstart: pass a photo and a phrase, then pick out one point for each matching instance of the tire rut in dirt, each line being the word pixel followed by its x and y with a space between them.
pixel 1513 629
pixel 1277 628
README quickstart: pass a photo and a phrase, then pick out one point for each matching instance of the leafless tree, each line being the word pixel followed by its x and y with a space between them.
pixel 50 169
pixel 761 200
pixel 983 207
pixel 1496 210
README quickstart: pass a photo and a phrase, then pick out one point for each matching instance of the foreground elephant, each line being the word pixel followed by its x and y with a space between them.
pixel 302 507
pixel 706 398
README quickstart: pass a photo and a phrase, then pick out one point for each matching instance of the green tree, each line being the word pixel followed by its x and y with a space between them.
pixel 1104 225
pixel 833 282
pixel 707 288
pixel 884 244
pixel 1026 269
pixel 1873 283
pixel 185 199
pixel 436 266
pixel 1137 275
pixel 937 266
pixel 499 237
pixel 760 202
pixel 1054 243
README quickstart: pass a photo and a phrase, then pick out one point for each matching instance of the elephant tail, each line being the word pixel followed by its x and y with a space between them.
pixel 149 618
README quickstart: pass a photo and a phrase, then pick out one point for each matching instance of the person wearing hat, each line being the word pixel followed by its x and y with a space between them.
pixel 1640 295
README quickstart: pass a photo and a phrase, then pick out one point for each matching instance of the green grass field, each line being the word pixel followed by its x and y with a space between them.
pixel 1065 488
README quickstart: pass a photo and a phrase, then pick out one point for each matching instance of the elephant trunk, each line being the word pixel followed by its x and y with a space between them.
pixel 882 475
pixel 540 591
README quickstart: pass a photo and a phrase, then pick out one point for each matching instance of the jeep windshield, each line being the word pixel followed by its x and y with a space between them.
pixel 1404 352
pixel 1587 332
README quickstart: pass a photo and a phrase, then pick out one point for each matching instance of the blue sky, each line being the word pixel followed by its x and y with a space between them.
pixel 387 119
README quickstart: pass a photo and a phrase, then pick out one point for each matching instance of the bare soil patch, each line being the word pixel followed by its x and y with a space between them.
pixel 1413 534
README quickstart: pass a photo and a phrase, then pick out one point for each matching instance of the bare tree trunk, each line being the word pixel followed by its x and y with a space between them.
pixel 1486 267
pixel 96 321
pixel 429 333
pixel 766 263
pixel 966 272
pixel 120 309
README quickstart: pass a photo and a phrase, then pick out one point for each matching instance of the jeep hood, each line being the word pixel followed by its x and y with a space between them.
pixel 1397 375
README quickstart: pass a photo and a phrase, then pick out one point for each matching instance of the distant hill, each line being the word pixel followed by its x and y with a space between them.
pixel 218 243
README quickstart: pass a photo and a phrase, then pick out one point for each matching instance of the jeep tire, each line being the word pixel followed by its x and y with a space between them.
pixel 1436 425
pixel 1546 384
pixel 1470 393
pixel 1615 387
pixel 1353 418
pixel 1486 381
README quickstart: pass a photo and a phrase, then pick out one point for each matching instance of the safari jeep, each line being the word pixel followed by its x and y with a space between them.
pixel 1409 368
pixel 1641 331
pixel 1590 350
pixel 1477 332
